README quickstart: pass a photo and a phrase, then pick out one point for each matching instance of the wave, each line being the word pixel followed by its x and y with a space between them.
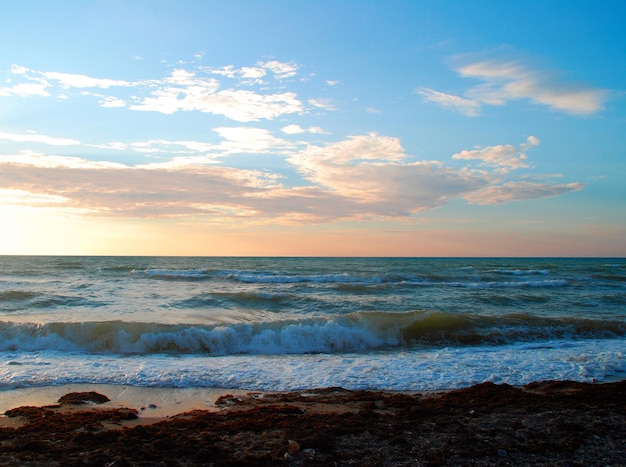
pixel 12 300
pixel 227 300
pixel 610 277
pixel 351 281
pixel 338 278
pixel 522 272
pixel 508 284
pixel 361 331
pixel 174 274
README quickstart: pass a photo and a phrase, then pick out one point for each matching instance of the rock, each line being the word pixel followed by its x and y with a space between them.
pixel 78 398
pixel 293 447
pixel 380 404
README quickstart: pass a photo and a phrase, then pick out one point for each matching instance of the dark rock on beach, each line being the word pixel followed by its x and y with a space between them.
pixel 541 424
pixel 78 398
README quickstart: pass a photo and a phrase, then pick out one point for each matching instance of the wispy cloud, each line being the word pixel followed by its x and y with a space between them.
pixel 468 107
pixel 68 80
pixel 505 81
pixel 325 104
pixel 37 138
pixel 519 191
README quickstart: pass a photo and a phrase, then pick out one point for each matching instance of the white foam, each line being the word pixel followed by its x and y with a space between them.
pixel 410 370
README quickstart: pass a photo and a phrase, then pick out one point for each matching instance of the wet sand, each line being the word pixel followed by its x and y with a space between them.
pixel 546 423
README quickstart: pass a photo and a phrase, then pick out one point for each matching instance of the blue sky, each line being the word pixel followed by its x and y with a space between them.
pixel 405 128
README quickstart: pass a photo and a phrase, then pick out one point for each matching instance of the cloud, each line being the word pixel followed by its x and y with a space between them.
pixel 254 74
pixel 506 81
pixel 184 91
pixel 69 80
pixel 139 191
pixel 519 191
pixel 195 89
pixel 36 138
pixel 361 177
pixel 297 129
pixel 467 107
pixel 112 102
pixel 38 82
pixel 25 90
pixel 325 104
pixel 370 170
pixel 504 157
pixel 249 140
pixel 28 160
pixel 281 70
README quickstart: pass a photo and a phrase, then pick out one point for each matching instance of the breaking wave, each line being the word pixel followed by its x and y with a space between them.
pixel 361 331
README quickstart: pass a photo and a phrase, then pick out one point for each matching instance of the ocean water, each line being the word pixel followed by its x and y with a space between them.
pixel 300 323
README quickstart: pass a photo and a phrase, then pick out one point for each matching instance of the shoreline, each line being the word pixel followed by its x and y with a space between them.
pixel 544 423
pixel 153 403
pixel 163 402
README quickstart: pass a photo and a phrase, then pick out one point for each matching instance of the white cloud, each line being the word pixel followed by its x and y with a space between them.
pixel 36 138
pixel 116 145
pixel 69 80
pixel 252 73
pixel 505 81
pixel 112 102
pixel 228 71
pixel 18 69
pixel 325 104
pixel 281 70
pixel 467 107
pixel 249 140
pixel 195 89
pixel 235 140
pixel 185 91
pixel 505 157
pixel 293 129
pixel 26 89
pixel 297 129
pixel 31 159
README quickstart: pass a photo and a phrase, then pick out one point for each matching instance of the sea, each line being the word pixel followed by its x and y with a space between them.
pixel 278 324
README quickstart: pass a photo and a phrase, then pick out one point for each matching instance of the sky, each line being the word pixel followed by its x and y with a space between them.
pixel 313 128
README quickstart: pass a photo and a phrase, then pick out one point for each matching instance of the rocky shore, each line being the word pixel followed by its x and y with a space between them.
pixel 556 423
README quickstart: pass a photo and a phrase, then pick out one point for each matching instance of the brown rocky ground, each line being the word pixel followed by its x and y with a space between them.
pixel 547 423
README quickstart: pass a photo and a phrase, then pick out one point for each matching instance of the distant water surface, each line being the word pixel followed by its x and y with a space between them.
pixel 293 323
